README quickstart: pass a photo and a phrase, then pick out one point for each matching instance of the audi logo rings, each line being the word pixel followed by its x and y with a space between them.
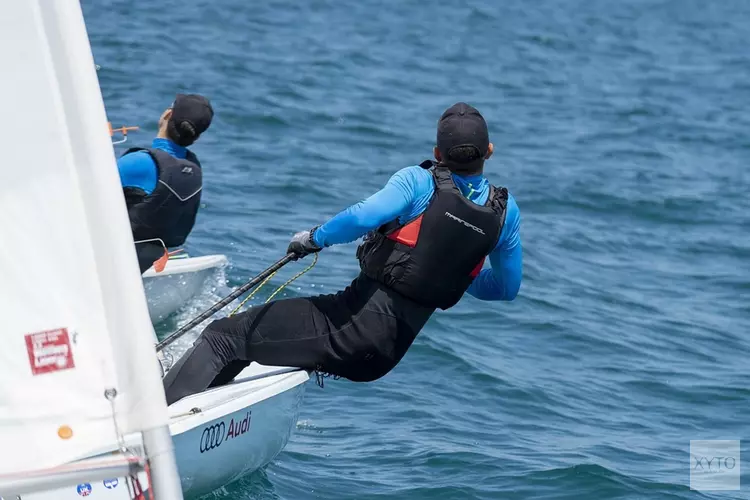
pixel 212 437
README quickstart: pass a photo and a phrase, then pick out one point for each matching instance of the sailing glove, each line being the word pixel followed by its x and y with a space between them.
pixel 303 244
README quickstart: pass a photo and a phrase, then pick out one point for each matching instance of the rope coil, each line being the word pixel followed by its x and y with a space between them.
pixel 280 288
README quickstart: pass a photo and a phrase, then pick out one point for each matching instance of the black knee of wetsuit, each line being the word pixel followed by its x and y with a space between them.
pixel 211 361
pixel 360 333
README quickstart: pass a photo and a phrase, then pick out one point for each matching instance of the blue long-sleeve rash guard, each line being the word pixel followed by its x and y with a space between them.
pixel 406 195
pixel 138 170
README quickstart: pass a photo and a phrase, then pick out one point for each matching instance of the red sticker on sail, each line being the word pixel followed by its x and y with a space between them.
pixel 49 351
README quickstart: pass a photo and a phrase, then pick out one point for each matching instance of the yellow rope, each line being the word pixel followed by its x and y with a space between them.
pixel 288 282
pixel 252 294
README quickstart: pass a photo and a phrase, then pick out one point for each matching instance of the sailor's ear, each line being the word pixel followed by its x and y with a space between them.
pixel 490 150
pixel 164 118
pixel 436 152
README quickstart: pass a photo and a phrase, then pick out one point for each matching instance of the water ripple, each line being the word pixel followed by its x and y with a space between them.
pixel 620 128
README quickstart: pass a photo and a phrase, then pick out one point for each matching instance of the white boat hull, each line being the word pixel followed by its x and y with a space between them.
pixel 239 429
pixel 218 447
pixel 180 281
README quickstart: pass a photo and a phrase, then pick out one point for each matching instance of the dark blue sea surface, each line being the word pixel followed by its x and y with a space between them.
pixel 623 130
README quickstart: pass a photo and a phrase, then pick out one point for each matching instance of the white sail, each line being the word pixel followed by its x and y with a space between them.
pixel 73 316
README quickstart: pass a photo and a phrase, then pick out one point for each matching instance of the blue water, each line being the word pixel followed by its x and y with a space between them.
pixel 623 130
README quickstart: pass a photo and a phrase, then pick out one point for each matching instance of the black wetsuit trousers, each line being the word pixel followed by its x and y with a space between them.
pixel 360 333
pixel 148 253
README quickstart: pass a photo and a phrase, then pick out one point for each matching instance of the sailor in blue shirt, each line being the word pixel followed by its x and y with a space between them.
pixel 405 196
pixel 138 170
pixel 427 234
pixel 162 184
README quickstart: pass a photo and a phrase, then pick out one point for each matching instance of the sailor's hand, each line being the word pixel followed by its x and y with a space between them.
pixel 303 244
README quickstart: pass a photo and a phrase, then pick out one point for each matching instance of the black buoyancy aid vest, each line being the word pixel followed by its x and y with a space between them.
pixel 169 211
pixel 433 259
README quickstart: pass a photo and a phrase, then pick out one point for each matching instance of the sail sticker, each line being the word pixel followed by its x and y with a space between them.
pixel 214 435
pixel 110 483
pixel 84 489
pixel 49 351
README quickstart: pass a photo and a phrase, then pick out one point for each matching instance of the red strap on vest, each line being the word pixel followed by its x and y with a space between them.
pixel 476 270
pixel 408 234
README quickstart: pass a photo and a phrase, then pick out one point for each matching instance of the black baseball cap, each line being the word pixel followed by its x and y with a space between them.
pixel 194 109
pixel 462 126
